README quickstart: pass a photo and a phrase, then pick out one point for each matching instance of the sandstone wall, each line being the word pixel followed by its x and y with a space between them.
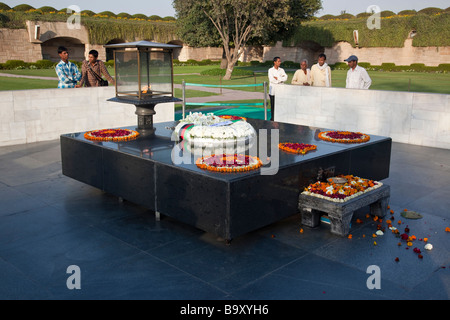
pixel 430 56
pixel 15 45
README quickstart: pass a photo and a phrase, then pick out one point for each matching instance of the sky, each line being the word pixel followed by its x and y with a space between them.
pixel 164 8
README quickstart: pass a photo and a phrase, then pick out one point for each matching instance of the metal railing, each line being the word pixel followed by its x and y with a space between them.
pixel 184 84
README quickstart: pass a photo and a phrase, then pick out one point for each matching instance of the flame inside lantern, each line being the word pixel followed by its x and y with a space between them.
pixel 146 89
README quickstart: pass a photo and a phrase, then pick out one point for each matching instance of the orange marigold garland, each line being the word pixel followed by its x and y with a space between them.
pixel 298 148
pixel 232 118
pixel 354 187
pixel 344 136
pixel 111 135
pixel 229 163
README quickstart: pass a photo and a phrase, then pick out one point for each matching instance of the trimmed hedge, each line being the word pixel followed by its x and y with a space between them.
pixel 221 72
pixel 45 64
pixel 432 30
pixel 15 64
pixel 107 13
pixel 431 10
pixel 40 64
pixel 101 29
pixel 23 7
pixel 391 67
pixel 4 6
pixel 88 13
pixel 206 62
pixel 47 9
pixel 407 13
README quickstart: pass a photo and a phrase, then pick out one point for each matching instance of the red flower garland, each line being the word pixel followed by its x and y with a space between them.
pixel 227 117
pixel 229 163
pixel 344 136
pixel 111 135
pixel 298 148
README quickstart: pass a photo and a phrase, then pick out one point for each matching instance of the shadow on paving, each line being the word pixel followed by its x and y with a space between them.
pixel 49 222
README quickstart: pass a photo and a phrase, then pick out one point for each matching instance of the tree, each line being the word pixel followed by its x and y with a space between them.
pixel 235 23
pixel 194 28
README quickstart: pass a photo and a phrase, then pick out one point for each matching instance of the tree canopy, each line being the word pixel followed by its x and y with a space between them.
pixel 234 24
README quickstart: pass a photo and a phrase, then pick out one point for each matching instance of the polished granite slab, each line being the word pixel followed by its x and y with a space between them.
pixel 50 221
pixel 228 205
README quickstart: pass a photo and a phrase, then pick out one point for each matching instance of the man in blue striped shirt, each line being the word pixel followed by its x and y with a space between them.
pixel 67 71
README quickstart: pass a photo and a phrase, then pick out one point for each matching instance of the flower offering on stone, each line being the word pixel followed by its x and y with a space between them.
pixel 354 187
pixel 111 135
pixel 298 148
pixel 344 136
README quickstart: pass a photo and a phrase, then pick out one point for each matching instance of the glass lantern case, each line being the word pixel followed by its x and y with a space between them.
pixel 143 69
pixel 144 77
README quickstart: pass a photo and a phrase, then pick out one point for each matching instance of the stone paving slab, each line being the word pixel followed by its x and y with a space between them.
pixel 123 253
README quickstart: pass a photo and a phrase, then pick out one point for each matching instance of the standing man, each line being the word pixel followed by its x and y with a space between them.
pixel 93 70
pixel 276 76
pixel 357 77
pixel 67 71
pixel 321 73
pixel 302 77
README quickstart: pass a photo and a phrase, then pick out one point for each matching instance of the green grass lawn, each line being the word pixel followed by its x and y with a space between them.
pixel 391 81
pixel 33 72
pixel 401 81
pixel 26 84
pixel 193 93
pixel 192 69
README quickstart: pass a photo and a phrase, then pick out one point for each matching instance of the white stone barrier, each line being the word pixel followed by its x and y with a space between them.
pixel 28 116
pixel 407 117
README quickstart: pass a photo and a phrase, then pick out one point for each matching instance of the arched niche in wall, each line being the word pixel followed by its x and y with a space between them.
pixel 75 47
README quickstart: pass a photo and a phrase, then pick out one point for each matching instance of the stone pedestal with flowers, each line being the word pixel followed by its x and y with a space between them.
pixel 341 213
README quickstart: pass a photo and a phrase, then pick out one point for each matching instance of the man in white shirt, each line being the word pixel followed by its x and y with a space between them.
pixel 357 77
pixel 321 73
pixel 276 76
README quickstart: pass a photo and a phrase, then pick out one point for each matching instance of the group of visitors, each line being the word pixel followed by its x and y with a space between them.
pixel 318 76
pixel 91 75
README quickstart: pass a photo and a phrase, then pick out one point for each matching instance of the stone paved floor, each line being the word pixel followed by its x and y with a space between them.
pixel 49 222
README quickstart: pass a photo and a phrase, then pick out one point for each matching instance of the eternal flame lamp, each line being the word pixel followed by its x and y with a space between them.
pixel 144 77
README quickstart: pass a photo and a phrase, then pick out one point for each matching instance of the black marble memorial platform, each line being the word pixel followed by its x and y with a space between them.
pixel 227 205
